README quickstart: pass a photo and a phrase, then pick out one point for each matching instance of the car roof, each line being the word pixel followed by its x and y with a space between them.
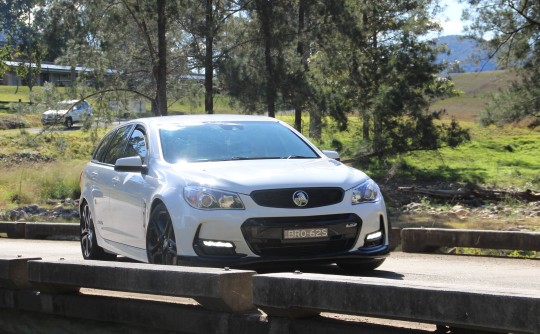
pixel 71 101
pixel 163 120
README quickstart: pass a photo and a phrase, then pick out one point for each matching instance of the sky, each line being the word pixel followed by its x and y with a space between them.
pixel 451 18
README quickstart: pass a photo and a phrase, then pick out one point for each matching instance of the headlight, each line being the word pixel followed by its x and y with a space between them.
pixel 211 199
pixel 365 192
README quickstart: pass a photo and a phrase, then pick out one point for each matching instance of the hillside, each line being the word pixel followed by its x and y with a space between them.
pixel 477 88
pixel 471 56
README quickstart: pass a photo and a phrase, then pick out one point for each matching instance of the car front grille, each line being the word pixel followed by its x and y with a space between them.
pixel 283 198
pixel 265 235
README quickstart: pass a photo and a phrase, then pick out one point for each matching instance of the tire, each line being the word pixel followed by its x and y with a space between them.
pixel 361 267
pixel 160 238
pixel 69 122
pixel 89 246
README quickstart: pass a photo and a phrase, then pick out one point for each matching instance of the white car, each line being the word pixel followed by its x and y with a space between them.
pixel 68 113
pixel 227 190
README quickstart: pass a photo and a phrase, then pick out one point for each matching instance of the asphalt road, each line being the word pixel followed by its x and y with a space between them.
pixel 482 272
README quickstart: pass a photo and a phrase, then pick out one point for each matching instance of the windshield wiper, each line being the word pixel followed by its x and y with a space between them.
pixel 298 157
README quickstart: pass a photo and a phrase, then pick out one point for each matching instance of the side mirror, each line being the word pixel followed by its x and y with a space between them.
pixel 130 164
pixel 331 154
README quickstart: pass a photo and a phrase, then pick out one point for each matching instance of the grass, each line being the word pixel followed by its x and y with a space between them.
pixel 477 89
pixel 39 182
pixel 494 157
pixel 12 94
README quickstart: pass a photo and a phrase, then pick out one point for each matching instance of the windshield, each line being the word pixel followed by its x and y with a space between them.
pixel 63 105
pixel 232 141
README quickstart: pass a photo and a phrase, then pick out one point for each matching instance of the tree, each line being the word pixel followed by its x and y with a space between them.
pixel 4 55
pixel 129 42
pixel 512 30
pixel 380 67
pixel 21 22
pixel 206 22
pixel 254 73
pixel 339 57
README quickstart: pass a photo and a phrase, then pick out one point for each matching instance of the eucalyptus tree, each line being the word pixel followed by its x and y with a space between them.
pixel 21 23
pixel 339 57
pixel 383 67
pixel 254 72
pixel 206 24
pixel 511 28
pixel 131 44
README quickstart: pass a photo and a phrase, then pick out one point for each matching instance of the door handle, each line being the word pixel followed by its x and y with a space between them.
pixel 93 175
pixel 115 180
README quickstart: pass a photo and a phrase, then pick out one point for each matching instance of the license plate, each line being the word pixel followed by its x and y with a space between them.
pixel 305 233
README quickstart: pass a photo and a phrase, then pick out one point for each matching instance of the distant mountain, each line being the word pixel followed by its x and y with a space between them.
pixel 471 56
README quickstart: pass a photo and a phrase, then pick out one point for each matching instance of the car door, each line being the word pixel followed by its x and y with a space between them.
pixel 75 112
pixel 94 174
pixel 129 194
pixel 105 179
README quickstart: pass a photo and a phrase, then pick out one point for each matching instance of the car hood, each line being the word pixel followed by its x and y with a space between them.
pixel 56 112
pixel 249 175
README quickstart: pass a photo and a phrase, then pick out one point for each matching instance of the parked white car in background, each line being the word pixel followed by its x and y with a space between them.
pixel 67 113
pixel 227 190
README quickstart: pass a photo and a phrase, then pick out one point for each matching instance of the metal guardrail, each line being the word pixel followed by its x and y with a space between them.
pixel 229 297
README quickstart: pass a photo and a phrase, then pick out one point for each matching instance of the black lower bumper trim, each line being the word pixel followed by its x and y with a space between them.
pixel 379 252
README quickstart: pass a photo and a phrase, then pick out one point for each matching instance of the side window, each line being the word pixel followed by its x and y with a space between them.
pixel 117 146
pixel 102 147
pixel 137 145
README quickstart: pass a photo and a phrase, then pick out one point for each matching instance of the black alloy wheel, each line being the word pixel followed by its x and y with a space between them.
pixel 69 122
pixel 89 247
pixel 160 239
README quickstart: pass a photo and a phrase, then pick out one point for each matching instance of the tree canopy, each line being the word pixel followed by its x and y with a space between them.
pixel 315 57
pixel 511 28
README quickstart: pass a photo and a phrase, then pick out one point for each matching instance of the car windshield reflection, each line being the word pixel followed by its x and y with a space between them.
pixel 204 142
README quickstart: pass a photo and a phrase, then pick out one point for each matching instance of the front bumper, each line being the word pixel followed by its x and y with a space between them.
pixel 243 260
pixel 51 120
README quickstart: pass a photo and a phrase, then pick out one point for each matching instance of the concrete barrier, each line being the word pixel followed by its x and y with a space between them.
pixel 34 289
pixel 43 230
pixel 215 289
pixel 395 238
pixel 28 312
pixel 418 240
pixel 13 229
pixel 461 306
pixel 14 272
pixel 30 230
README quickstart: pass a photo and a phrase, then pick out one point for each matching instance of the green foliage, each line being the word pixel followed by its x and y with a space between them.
pixel 495 252
pixel 519 103
pixel 56 186
pixel 4 55
pixel 505 159
pixel 37 182
pixel 514 31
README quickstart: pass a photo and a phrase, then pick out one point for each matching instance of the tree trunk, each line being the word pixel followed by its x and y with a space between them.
pixel 378 144
pixel 160 71
pixel 208 61
pixel 264 8
pixel 300 48
pixel 365 125
pixel 315 125
pixel 377 113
